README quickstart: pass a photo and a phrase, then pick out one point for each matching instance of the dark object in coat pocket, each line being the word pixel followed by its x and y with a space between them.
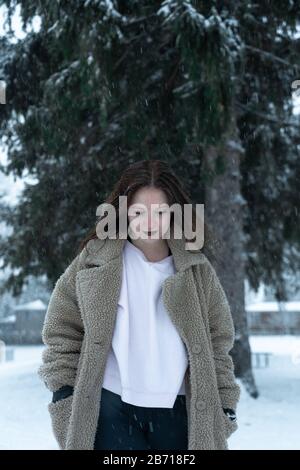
pixel 62 393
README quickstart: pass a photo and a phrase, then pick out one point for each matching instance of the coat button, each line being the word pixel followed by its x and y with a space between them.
pixel 197 348
pixel 200 405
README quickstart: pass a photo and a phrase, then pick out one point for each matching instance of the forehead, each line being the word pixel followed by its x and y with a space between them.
pixel 149 196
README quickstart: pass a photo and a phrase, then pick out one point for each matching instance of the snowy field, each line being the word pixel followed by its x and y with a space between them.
pixel 270 422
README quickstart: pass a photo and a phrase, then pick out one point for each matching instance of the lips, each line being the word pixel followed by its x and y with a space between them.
pixel 150 233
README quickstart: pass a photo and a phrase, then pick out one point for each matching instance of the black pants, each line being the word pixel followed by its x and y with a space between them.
pixel 123 426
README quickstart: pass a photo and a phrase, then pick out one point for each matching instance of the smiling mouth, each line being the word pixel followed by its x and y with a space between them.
pixel 150 233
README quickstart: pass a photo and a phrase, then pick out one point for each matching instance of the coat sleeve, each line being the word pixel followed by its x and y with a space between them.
pixel 222 333
pixel 62 332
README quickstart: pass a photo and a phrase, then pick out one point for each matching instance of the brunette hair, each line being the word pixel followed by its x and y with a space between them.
pixel 158 174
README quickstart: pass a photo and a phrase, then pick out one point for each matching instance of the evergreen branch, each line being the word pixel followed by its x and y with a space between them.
pixel 271 56
pixel 268 117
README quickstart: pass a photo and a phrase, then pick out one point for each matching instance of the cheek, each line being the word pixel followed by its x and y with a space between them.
pixel 138 222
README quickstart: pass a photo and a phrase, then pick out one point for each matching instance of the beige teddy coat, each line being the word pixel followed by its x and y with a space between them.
pixel 78 331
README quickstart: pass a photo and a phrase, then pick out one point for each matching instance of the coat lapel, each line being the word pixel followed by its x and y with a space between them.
pixel 99 284
pixel 98 287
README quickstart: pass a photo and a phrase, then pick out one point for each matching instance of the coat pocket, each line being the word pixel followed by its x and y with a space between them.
pixel 60 413
pixel 230 426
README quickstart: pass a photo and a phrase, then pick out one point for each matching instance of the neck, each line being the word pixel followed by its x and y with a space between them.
pixel 155 250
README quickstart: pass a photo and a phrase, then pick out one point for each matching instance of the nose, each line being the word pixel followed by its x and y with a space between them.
pixel 151 222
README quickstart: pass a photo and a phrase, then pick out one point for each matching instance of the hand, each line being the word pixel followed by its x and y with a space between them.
pixel 62 393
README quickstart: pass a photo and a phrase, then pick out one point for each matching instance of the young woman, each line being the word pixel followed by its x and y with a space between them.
pixel 138 332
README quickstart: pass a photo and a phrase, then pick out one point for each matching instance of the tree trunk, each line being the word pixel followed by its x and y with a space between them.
pixel 223 211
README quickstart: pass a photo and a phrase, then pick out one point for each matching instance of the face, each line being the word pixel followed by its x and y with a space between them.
pixel 148 214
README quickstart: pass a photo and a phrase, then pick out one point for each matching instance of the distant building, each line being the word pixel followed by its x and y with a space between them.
pixel 8 332
pixel 274 317
pixel 25 325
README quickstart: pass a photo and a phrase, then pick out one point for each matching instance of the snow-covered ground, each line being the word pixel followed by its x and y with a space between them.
pixel 24 421
pixel 271 421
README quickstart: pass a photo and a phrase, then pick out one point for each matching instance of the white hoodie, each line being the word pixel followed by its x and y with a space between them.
pixel 147 360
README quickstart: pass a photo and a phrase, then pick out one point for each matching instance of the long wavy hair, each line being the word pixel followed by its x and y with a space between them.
pixel 155 174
